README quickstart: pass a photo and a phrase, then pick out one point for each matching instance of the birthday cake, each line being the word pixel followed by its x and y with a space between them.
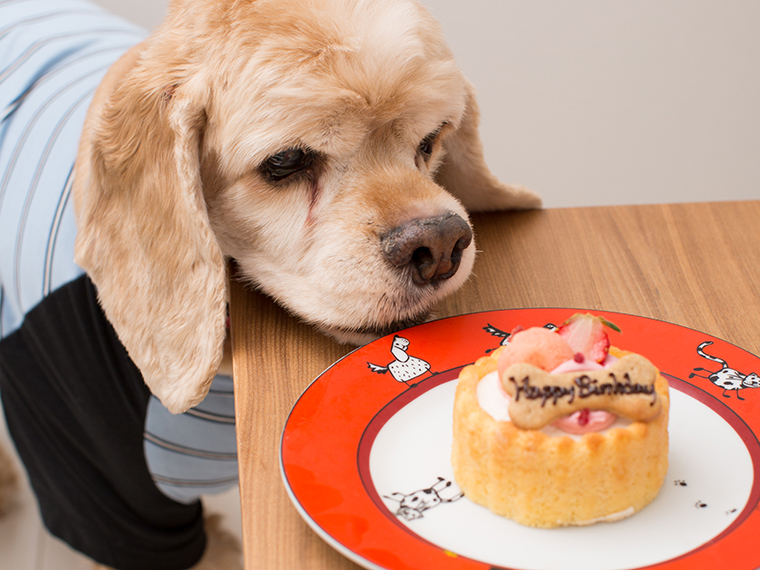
pixel 557 428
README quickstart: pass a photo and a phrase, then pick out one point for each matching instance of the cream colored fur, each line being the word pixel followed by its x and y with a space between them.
pixel 169 182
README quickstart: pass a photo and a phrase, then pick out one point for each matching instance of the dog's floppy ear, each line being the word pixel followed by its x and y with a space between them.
pixel 465 174
pixel 144 236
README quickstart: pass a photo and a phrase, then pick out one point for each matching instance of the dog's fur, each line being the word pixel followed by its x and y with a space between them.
pixel 170 177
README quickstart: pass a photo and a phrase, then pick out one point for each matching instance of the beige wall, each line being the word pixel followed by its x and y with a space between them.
pixel 147 13
pixel 594 102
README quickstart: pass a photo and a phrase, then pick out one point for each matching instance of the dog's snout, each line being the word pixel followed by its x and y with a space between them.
pixel 431 247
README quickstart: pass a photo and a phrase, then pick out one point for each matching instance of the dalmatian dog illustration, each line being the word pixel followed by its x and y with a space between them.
pixel 505 336
pixel 411 506
pixel 727 378
pixel 405 367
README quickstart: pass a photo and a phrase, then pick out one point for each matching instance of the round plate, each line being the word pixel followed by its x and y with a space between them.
pixel 365 457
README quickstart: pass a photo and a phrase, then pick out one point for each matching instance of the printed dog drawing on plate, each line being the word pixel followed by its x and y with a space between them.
pixel 729 379
pixel 412 505
pixel 405 367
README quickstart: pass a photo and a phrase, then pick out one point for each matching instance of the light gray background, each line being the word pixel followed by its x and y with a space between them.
pixel 599 102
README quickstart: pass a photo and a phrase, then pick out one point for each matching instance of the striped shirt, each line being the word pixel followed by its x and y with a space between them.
pixel 53 54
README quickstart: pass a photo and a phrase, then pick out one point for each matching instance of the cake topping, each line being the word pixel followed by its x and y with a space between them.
pixel 586 335
pixel 625 388
pixel 538 346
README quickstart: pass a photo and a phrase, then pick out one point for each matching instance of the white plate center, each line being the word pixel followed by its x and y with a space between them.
pixel 707 486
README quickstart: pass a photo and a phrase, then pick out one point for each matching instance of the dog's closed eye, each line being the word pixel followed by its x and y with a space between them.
pixel 287 162
pixel 427 146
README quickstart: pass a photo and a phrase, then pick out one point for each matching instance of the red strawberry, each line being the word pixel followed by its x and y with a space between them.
pixel 586 334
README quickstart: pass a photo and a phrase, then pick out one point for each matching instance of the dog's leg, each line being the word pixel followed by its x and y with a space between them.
pixel 223 551
pixel 8 481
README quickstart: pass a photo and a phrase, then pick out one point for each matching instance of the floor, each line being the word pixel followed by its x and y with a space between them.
pixel 26 545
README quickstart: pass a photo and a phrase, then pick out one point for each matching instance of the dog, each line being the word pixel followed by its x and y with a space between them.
pixel 329 148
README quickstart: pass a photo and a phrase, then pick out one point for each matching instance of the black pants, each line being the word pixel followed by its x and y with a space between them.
pixel 75 406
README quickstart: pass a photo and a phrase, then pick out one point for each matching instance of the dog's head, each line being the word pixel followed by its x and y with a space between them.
pixel 330 147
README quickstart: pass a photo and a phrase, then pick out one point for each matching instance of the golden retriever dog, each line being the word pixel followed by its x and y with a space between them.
pixel 329 147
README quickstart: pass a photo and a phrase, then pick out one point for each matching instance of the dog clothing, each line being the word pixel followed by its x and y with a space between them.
pixel 116 475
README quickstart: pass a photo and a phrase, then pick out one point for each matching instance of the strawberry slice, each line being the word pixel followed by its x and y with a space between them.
pixel 586 334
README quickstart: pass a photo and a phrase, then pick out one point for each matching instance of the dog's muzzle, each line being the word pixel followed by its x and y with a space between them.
pixel 431 247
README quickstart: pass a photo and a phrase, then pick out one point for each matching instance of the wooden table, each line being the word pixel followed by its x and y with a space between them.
pixel 696 265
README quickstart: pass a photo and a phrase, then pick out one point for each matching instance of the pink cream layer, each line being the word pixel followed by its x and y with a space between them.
pixel 584 421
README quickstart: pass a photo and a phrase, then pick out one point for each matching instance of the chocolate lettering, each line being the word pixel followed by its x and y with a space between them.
pixel 544 393
pixel 588 387
pixel 625 388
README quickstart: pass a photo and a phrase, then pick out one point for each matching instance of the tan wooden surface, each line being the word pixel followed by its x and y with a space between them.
pixel 696 265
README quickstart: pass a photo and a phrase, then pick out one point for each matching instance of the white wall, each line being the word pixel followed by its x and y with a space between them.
pixel 147 13
pixel 595 102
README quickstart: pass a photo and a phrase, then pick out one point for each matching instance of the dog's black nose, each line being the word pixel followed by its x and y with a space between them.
pixel 431 247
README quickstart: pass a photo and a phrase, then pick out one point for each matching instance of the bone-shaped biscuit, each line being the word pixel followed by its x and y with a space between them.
pixel 627 388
